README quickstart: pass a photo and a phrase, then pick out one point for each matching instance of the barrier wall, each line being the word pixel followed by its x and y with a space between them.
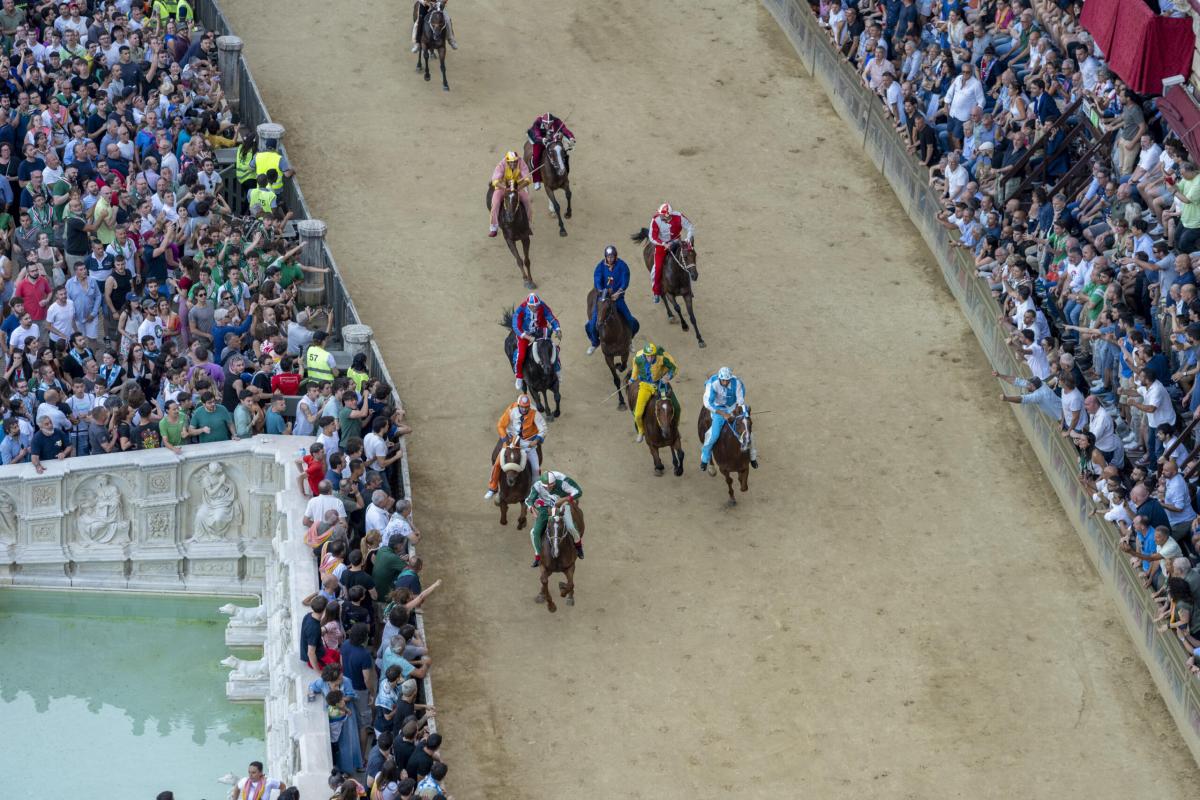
pixel 864 114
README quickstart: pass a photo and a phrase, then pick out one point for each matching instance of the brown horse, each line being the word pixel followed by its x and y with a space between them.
pixel 558 555
pixel 514 224
pixel 554 173
pixel 661 426
pixel 432 38
pixel 731 453
pixel 614 335
pixel 679 271
pixel 516 478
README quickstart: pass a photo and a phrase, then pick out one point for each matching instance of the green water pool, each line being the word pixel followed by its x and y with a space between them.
pixel 120 696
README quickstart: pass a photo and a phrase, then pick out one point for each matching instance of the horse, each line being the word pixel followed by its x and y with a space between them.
pixel 679 270
pixel 514 224
pixel 558 555
pixel 554 173
pixel 615 337
pixel 516 478
pixel 541 368
pixel 731 453
pixel 432 38
pixel 661 426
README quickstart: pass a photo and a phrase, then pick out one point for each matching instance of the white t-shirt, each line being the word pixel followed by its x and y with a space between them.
pixel 63 318
pixel 20 336
pixel 1149 157
pixel 376 518
pixel 152 328
pixel 1035 357
pixel 331 443
pixel 1101 426
pixel 1156 395
pixel 303 427
pixel 956 179
pixel 317 506
pixel 1072 401
pixel 374 445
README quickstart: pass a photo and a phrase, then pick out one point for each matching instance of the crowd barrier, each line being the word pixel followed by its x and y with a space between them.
pixel 253 112
pixel 863 112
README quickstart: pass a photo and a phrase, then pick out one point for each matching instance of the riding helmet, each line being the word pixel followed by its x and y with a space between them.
pixel 724 374
pixel 523 401
pixel 610 251
pixel 651 349
pixel 511 156
pixel 664 210
pixel 533 300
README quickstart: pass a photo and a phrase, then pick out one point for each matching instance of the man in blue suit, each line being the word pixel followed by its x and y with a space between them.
pixel 611 278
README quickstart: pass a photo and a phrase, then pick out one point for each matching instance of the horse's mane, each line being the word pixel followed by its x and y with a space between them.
pixel 506 320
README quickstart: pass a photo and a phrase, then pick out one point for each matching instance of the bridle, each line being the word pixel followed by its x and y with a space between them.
pixel 556 531
pixel 741 428
pixel 664 407
pixel 557 160
pixel 513 460
pixel 537 357
pixel 510 202
pixel 682 246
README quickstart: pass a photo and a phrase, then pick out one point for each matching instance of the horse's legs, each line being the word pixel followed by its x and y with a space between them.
pixel 687 298
pixel 677 456
pixel 442 62
pixel 420 52
pixel 667 305
pixel 426 52
pixel 504 512
pixel 567 191
pixel 612 368
pixel 554 206
pixel 521 519
pixel 744 479
pixel 554 387
pixel 658 465
pixel 546 592
pixel 729 485
pixel 567 588
pixel 673 300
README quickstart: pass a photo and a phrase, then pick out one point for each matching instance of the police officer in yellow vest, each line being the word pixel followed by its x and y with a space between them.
pixel 269 159
pixel 318 363
pixel 261 199
pixel 171 9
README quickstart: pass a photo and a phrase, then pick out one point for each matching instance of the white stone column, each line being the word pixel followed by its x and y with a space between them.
pixel 312 253
pixel 357 339
pixel 270 130
pixel 229 62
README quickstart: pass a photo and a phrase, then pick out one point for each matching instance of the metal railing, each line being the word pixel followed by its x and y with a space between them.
pixel 253 111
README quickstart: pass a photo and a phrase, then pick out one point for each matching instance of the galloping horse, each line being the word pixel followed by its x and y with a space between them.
pixel 554 173
pixel 516 478
pixel 541 368
pixel 679 270
pixel 661 426
pixel 432 38
pixel 731 453
pixel 558 555
pixel 514 224
pixel 614 335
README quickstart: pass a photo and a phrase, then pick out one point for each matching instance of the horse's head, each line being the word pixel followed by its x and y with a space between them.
pixel 556 530
pixel 512 461
pixel 664 412
pixel 741 428
pixel 511 201
pixel 687 258
pixel 604 307
pixel 558 157
pixel 545 354
pixel 436 21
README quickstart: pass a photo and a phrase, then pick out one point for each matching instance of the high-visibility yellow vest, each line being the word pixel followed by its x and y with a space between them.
pixel 172 9
pixel 244 171
pixel 359 378
pixel 316 364
pixel 262 198
pixel 268 160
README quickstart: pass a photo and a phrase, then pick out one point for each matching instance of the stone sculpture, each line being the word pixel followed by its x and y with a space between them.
pixel 8 519
pixel 101 516
pixel 219 513
pixel 242 617
pixel 245 670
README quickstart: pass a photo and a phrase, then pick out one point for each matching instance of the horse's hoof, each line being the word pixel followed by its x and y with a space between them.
pixel 539 599
pixel 730 503
pixel 568 214
pixel 520 524
pixel 530 285
pixel 672 321
pixel 678 471
pixel 445 88
pixel 562 231
pixel 701 343
pixel 683 325
pixel 504 522
pixel 658 472
pixel 571 600
pixel 426 77
pixel 551 608
pixel 557 413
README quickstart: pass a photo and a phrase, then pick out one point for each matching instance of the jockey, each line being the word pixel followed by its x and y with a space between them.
pixel 666 227
pixel 723 392
pixel 522 422
pixel 530 321
pixel 539 134
pixel 423 8
pixel 611 278
pixel 513 170
pixel 651 367
pixel 552 489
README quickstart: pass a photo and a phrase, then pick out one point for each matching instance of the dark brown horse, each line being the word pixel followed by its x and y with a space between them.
pixel 432 38
pixel 514 224
pixel 614 335
pixel 731 453
pixel 679 271
pixel 516 478
pixel 558 555
pixel 554 173
pixel 661 426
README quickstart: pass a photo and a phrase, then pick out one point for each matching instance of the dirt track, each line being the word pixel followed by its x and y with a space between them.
pixel 896 609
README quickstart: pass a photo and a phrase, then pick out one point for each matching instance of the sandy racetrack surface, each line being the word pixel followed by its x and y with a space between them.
pixel 897 608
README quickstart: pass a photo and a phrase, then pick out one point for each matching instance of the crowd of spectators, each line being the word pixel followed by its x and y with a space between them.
pixel 151 299
pixel 1098 288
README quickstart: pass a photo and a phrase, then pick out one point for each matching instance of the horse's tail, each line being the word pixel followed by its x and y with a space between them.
pixel 506 319
pixel 641 235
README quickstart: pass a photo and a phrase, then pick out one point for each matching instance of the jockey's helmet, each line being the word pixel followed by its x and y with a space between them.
pixel 511 156
pixel 551 478
pixel 650 350
pixel 533 301
pixel 724 374
pixel 665 210
pixel 523 401
pixel 610 251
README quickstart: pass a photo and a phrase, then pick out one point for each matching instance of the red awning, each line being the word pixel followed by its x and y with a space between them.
pixel 1140 46
pixel 1181 113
